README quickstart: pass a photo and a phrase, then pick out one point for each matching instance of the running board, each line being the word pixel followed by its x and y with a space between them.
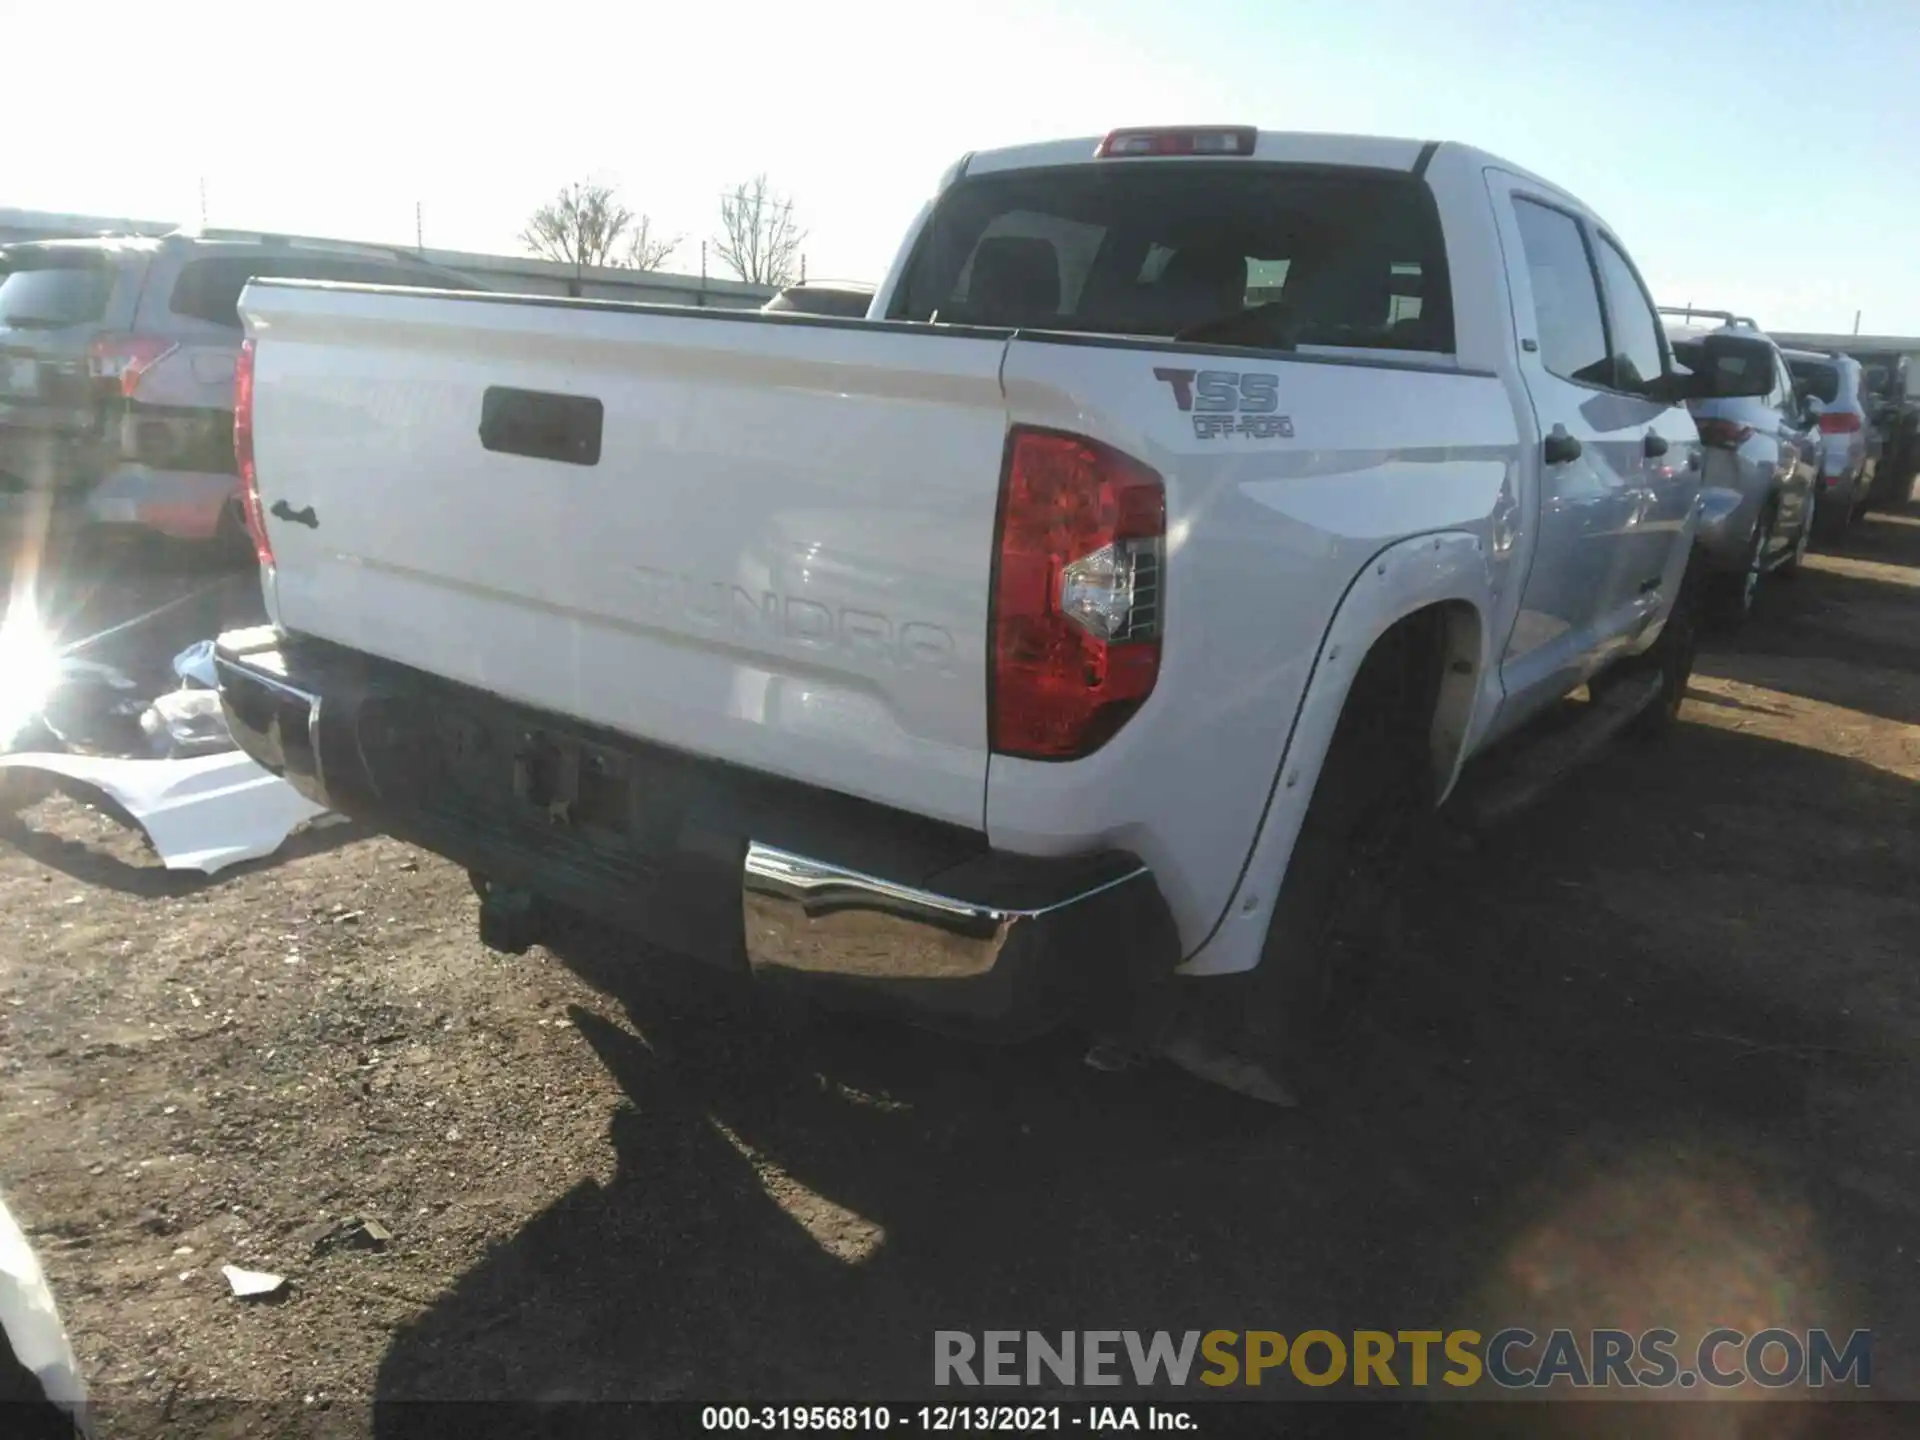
pixel 1518 778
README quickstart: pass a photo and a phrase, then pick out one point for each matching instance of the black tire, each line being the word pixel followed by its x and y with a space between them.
pixel 1672 655
pixel 1731 595
pixel 1277 1032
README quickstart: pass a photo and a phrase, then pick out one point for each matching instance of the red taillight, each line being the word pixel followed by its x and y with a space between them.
pixel 243 453
pixel 1077 603
pixel 1839 422
pixel 1182 140
pixel 122 359
pixel 1723 434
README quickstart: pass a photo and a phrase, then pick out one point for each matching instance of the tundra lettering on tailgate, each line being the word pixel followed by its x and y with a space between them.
pixel 1229 402
pixel 690 604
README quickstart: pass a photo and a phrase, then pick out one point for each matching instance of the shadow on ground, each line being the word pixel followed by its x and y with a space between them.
pixel 1842 632
pixel 1623 1075
pixel 92 865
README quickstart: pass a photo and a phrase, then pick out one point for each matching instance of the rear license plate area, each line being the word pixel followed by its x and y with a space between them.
pixel 570 783
pixel 532 777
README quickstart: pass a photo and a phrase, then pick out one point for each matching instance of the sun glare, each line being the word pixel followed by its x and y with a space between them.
pixel 29 667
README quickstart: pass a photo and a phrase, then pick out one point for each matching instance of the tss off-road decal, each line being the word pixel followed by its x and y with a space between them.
pixel 1229 402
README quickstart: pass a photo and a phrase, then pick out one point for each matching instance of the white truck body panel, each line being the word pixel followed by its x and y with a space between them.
pixel 784 558
pixel 783 562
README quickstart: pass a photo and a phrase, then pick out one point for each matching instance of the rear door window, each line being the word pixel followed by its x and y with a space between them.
pixel 1637 357
pixel 1259 255
pixel 1566 295
pixel 56 289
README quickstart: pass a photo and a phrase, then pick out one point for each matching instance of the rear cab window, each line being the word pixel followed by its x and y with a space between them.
pixel 56 289
pixel 1267 256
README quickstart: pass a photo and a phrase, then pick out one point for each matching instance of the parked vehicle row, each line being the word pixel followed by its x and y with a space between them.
pixel 116 371
pixel 1071 639
pixel 1802 461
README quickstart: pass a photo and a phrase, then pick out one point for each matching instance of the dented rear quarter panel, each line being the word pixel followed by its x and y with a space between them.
pixel 1265 536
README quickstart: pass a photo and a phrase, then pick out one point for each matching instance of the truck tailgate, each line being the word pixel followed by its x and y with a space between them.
pixel 767 541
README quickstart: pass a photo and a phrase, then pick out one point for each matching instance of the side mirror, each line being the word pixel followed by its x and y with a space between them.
pixel 1731 367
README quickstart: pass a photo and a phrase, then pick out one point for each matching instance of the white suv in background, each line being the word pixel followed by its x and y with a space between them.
pixel 1832 387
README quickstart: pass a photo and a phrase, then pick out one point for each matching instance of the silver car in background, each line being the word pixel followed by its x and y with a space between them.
pixel 1759 456
pixel 1833 387
pixel 116 373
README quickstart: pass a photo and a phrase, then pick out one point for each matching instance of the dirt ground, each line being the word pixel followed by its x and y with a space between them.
pixel 1649 1057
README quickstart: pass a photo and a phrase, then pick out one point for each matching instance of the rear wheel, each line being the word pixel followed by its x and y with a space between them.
pixel 1276 1032
pixel 1732 594
pixel 1672 656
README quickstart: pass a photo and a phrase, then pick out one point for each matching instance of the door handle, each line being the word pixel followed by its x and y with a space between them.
pixel 1560 447
pixel 283 511
pixel 1655 445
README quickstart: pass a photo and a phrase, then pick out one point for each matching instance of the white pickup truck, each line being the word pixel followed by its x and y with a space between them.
pixel 1045 646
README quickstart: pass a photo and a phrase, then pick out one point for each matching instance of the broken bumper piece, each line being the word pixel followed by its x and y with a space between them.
pixel 201 814
pixel 756 874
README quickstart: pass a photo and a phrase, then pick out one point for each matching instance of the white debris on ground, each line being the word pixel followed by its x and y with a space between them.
pixel 200 814
pixel 252 1284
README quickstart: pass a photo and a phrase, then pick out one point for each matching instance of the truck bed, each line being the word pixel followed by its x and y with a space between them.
pixel 776 553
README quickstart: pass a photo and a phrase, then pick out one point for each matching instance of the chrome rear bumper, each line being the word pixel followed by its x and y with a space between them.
pixel 803 915
pixel 960 935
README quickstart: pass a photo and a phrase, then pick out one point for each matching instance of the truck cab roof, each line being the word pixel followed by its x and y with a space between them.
pixel 1299 147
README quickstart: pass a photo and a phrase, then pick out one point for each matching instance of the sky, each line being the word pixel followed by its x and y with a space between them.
pixel 1757 155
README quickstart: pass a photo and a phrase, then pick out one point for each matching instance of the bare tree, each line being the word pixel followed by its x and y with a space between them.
pixel 646 250
pixel 758 239
pixel 580 226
